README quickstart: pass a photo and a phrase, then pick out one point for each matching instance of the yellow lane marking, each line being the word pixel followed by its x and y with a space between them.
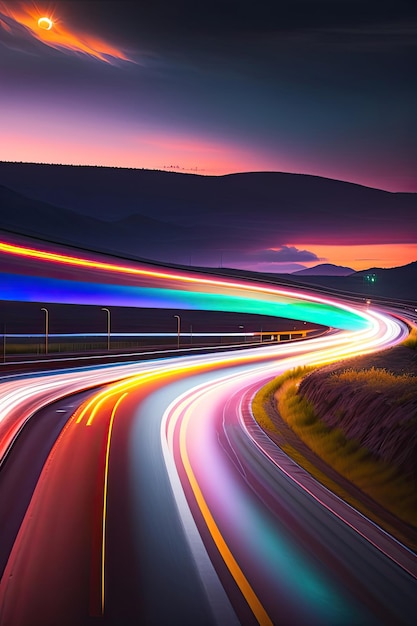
pixel 241 580
pixel 106 477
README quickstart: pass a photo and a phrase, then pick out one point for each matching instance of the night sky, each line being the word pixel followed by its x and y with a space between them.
pixel 321 87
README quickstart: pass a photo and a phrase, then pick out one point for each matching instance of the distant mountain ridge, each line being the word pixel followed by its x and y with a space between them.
pixel 325 269
pixel 398 283
pixel 395 282
pixel 194 220
pixel 20 214
pixel 112 194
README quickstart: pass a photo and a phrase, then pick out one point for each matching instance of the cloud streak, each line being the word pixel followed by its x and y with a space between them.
pixel 320 88
pixel 285 254
pixel 59 36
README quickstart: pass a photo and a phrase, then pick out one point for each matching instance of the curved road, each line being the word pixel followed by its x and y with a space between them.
pixel 162 503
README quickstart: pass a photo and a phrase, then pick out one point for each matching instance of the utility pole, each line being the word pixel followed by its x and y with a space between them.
pixel 108 327
pixel 46 328
pixel 178 330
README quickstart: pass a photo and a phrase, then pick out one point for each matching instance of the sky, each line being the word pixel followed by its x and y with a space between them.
pixel 321 87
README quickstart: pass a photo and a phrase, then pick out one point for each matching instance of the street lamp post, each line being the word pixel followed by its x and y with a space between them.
pixel 4 343
pixel 178 330
pixel 108 326
pixel 46 328
pixel 243 328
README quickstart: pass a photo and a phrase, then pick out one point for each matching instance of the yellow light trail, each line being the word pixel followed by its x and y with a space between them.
pixel 106 478
pixel 241 580
pixel 65 259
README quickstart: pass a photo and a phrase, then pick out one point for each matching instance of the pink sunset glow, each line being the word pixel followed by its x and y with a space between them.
pixel 154 88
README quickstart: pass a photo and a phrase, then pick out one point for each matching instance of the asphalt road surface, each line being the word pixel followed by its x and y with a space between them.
pixel 158 501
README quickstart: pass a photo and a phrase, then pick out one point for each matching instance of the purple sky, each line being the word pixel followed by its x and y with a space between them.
pixel 321 87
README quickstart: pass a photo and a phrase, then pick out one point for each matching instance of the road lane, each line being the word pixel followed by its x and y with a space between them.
pixel 304 564
pixel 57 551
pixel 272 572
pixel 21 468
pixel 108 476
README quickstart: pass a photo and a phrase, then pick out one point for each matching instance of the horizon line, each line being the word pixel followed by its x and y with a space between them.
pixel 191 172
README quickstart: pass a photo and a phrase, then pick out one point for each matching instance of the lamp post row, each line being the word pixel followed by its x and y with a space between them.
pixel 47 327
pixel 46 311
pixel 108 327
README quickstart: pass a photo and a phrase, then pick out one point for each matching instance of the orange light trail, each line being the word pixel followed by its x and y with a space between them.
pixel 75 261
pixel 65 259
pixel 59 37
pixel 193 290
pixel 347 342
pixel 106 479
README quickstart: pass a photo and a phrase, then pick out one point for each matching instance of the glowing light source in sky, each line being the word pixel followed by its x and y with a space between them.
pixel 60 37
pixel 45 23
pixel 251 122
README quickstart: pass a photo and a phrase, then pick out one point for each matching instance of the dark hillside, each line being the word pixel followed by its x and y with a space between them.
pixel 259 199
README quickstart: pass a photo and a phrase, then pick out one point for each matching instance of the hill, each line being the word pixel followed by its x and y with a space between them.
pixel 189 219
pixel 398 283
pixel 325 269
pixel 136 235
pixel 289 203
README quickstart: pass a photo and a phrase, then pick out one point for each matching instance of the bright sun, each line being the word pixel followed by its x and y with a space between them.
pixel 45 23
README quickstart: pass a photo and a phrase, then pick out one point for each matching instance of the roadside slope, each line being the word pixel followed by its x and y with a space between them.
pixel 344 465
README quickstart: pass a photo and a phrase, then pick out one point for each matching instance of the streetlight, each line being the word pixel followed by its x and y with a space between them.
pixel 178 330
pixel 108 326
pixel 242 327
pixel 46 328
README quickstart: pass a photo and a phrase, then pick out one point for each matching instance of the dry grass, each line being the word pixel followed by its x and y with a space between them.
pixel 261 399
pixel 411 341
pixel 379 480
pixel 403 388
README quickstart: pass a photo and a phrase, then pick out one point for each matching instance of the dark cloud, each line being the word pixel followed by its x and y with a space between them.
pixel 240 18
pixel 285 254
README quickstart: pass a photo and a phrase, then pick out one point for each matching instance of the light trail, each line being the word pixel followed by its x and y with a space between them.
pixel 17 402
pixel 203 452
pixel 141 380
pixel 187 430
pixel 55 277
pixel 237 573
pixel 106 479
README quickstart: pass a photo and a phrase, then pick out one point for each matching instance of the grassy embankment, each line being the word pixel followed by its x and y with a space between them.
pixel 381 481
pixel 411 341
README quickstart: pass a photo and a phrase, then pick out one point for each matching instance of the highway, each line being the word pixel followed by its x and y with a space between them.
pixel 161 502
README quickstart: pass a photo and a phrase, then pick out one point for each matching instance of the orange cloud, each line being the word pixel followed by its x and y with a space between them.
pixel 361 257
pixel 58 36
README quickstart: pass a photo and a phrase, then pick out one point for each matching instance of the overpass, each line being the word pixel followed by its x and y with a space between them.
pixel 285 335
